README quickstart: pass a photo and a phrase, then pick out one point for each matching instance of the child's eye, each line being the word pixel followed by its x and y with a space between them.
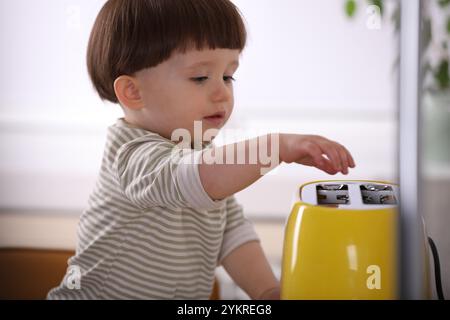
pixel 203 79
pixel 199 79
pixel 228 79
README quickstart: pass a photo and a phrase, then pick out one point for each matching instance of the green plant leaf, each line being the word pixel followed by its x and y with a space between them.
pixel 448 25
pixel 379 4
pixel 350 8
pixel 444 3
pixel 427 33
pixel 442 76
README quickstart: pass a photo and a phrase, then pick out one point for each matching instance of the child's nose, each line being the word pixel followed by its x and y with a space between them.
pixel 222 92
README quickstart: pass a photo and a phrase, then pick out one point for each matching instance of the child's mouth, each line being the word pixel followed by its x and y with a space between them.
pixel 216 118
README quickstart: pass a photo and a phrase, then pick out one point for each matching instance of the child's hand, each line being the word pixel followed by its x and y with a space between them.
pixel 309 150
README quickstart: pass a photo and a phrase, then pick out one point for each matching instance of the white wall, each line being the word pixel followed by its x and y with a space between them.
pixel 309 55
pixel 307 69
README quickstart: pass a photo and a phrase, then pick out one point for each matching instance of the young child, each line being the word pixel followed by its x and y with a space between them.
pixel 156 225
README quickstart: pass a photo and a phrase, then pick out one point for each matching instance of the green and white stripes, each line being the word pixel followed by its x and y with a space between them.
pixel 150 231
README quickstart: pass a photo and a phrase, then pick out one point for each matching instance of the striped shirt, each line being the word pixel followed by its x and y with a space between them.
pixel 150 231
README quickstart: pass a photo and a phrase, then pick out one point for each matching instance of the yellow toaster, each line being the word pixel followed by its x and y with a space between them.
pixel 341 241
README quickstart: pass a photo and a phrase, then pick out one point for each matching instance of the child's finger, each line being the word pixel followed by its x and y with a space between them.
pixel 322 163
pixel 333 155
pixel 328 167
pixel 350 160
pixel 344 159
pixel 316 154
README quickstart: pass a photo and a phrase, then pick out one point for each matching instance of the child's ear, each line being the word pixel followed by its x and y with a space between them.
pixel 127 92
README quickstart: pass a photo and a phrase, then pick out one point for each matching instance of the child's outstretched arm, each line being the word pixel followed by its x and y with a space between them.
pixel 247 264
pixel 249 268
pixel 223 180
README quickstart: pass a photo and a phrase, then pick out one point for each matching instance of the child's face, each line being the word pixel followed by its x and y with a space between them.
pixel 186 88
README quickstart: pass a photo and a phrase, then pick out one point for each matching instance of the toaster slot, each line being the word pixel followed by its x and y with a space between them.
pixel 377 194
pixel 332 194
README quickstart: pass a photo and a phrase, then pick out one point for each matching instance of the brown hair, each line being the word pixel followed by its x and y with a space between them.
pixel 131 35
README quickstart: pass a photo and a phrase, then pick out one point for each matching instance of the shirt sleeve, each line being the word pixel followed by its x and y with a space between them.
pixel 156 173
pixel 238 229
